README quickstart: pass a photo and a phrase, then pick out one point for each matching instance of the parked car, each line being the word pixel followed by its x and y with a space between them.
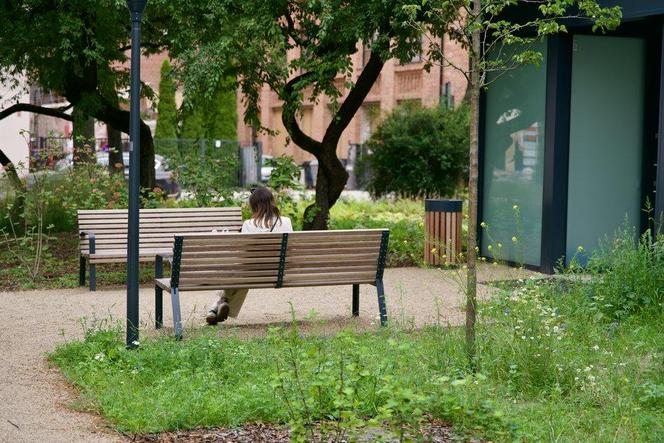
pixel 265 170
pixel 163 177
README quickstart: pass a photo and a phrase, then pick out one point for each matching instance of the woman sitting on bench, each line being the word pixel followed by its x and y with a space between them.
pixel 265 217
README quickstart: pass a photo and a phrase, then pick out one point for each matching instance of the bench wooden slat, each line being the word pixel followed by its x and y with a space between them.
pixel 156 210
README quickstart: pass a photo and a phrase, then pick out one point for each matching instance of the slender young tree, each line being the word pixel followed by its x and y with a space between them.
pixel 495 45
pixel 167 119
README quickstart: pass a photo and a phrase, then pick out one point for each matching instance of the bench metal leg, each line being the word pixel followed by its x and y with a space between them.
pixel 81 271
pixel 93 277
pixel 381 302
pixel 158 307
pixel 158 294
pixel 356 300
pixel 177 319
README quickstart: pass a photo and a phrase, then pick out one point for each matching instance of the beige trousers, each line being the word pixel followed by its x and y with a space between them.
pixel 235 299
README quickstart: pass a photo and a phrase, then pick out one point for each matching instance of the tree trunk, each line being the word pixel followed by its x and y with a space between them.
pixel 18 207
pixel 330 182
pixel 148 179
pixel 84 138
pixel 115 159
pixel 119 119
pixel 471 253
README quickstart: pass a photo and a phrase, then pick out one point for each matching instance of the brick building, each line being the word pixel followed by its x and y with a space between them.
pixel 396 84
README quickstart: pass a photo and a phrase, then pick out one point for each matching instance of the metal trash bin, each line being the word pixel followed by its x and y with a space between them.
pixel 442 232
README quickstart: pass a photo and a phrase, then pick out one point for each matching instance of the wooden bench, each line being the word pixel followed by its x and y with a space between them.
pixel 206 262
pixel 103 233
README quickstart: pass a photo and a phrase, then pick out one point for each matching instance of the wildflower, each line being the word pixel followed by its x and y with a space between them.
pixel 500 245
pixel 483 225
pixel 99 356
pixel 515 207
pixel 433 250
pixel 596 348
pixel 514 239
pixel 580 249
pixel 489 247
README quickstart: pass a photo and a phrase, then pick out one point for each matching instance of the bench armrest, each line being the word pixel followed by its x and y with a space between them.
pixel 92 248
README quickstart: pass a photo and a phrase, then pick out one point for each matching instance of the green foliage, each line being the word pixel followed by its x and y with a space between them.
pixel 222 119
pixel 508 47
pixel 349 381
pixel 207 171
pixel 629 276
pixel 544 372
pixel 166 109
pixel 259 32
pixel 213 118
pixel 420 152
pixel 284 180
pixel 285 173
pixel 404 218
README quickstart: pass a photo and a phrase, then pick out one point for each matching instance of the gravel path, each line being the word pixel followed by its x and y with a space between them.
pixel 35 401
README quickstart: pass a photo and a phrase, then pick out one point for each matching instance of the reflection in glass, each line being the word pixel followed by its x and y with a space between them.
pixel 513 170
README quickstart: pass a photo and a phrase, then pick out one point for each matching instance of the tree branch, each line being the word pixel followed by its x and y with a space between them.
pixel 355 98
pixel 52 112
pixel 289 119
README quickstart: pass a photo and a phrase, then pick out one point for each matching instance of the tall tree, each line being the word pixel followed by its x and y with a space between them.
pixel 495 44
pixel 222 116
pixel 78 50
pixel 167 118
pixel 301 50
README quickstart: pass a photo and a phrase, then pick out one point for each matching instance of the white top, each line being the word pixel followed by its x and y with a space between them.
pixel 284 226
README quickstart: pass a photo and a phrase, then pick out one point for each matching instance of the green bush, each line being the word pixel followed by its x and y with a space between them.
pixel 628 275
pixel 419 152
pixel 404 218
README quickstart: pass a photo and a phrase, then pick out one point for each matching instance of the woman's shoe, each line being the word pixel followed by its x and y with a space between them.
pixel 222 311
pixel 211 317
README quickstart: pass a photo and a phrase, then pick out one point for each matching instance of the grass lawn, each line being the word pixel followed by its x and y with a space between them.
pixel 550 368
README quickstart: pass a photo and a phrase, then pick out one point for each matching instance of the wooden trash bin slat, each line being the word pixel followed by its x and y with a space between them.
pixel 442 232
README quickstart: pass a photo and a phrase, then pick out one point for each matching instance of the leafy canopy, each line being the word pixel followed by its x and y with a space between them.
pixel 269 42
pixel 508 29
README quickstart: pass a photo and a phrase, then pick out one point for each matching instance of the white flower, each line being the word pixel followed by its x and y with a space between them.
pixel 99 357
pixel 596 348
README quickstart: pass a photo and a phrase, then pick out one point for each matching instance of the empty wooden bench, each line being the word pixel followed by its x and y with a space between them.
pixel 103 233
pixel 205 262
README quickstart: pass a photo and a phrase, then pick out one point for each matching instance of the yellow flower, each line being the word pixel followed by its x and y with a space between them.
pixel 433 251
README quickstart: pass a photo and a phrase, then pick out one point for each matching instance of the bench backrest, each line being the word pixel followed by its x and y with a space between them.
pixel 269 260
pixel 157 226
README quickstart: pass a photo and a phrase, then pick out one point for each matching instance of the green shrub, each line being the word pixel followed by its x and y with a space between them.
pixel 419 152
pixel 404 218
pixel 628 275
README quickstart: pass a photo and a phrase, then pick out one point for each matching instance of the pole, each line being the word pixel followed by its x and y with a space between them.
pixel 136 8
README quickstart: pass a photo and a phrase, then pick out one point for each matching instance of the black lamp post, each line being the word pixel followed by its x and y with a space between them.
pixel 136 8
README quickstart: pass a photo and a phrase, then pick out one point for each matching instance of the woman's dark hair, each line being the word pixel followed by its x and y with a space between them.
pixel 263 207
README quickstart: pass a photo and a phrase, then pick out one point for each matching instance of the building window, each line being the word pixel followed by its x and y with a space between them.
pixel 513 164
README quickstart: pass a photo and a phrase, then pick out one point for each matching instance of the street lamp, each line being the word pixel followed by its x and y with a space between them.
pixel 136 8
